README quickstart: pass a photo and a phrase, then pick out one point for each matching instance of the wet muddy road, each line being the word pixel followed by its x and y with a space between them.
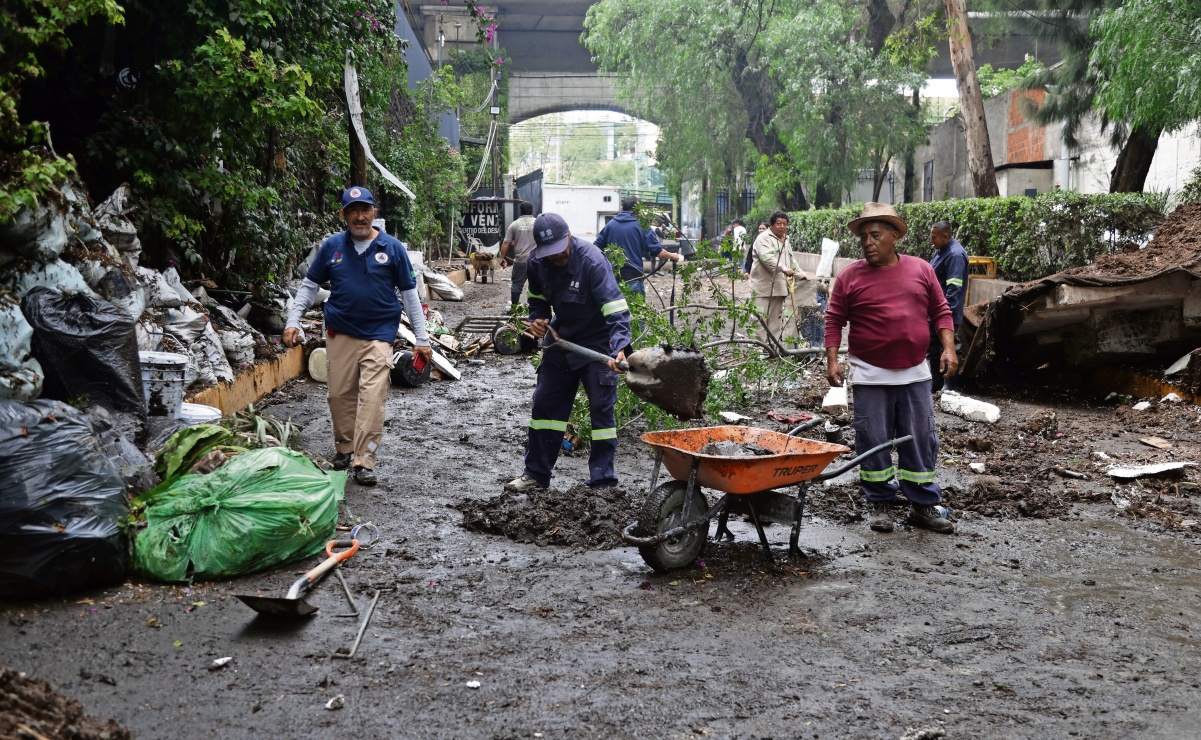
pixel 1083 626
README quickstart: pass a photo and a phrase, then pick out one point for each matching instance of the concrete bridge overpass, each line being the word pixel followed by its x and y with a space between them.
pixel 550 71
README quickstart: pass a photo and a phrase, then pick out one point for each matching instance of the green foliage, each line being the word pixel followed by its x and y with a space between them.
pixel 31 30
pixel 993 82
pixel 798 88
pixel 1191 192
pixel 1148 55
pixel 1029 237
pixel 749 377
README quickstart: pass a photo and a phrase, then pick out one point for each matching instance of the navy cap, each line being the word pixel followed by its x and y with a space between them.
pixel 357 194
pixel 550 235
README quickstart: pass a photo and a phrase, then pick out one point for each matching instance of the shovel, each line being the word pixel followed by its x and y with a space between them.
pixel 293 605
pixel 676 379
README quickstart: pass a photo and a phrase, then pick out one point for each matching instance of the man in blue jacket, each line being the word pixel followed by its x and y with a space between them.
pixel 365 268
pixel 635 242
pixel 572 291
pixel 950 265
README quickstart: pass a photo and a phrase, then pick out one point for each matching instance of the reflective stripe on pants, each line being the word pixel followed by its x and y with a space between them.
pixel 553 398
pixel 884 412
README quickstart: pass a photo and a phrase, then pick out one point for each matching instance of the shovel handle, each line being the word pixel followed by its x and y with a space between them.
pixel 589 353
pixel 332 560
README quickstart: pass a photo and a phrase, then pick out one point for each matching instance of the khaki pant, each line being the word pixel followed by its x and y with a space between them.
pixel 772 307
pixel 359 379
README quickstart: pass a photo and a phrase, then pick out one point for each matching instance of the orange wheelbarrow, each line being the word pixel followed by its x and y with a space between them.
pixel 673 526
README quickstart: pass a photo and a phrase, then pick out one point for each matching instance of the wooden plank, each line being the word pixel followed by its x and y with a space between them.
pixel 1158 442
pixel 249 386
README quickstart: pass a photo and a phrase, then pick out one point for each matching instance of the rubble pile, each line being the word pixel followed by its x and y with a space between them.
pixel 73 249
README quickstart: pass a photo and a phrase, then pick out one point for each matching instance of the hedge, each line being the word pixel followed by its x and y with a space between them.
pixel 1029 237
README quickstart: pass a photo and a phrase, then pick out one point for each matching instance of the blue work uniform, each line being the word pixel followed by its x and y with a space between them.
pixel 636 243
pixel 950 266
pixel 362 302
pixel 588 309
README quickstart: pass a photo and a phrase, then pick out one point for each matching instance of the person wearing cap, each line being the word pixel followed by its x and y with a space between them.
pixel 365 269
pixel 635 242
pixel 572 293
pixel 516 248
pixel 950 264
pixel 890 301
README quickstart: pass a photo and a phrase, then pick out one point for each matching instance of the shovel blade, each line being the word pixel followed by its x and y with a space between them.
pixel 279 606
pixel 676 379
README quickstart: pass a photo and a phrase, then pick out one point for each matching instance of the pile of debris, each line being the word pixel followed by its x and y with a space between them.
pixel 1140 306
pixel 73 249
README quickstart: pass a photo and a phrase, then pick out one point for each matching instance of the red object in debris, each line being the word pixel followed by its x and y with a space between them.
pixel 418 362
pixel 787 418
pixel 330 332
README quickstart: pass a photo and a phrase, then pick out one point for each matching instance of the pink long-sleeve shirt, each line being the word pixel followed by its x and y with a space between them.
pixel 890 310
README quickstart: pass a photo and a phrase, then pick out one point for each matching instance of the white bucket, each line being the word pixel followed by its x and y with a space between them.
pixel 162 379
pixel 197 413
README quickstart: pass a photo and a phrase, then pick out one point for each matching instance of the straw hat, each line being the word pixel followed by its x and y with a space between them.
pixel 879 212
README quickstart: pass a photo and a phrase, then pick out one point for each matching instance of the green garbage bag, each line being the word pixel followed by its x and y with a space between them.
pixel 262 508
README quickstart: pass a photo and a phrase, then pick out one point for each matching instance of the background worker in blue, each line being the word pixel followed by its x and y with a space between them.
pixel 636 243
pixel 950 264
pixel 365 268
pixel 572 281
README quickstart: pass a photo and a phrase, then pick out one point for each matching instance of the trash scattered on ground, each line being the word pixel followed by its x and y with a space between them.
pixel 1171 398
pixel 731 417
pixel 262 508
pixel 977 467
pixel 1142 406
pixel 62 503
pixel 473 684
pixel 337 702
pixel 220 663
pixel 1149 471
pixel 579 517
pixel 787 417
pixel 1157 442
pixel 969 408
pixel 34 709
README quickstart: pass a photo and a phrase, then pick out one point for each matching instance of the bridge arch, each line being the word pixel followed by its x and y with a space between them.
pixel 534 94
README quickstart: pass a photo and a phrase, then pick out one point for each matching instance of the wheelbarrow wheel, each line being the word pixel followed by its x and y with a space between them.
pixel 664 510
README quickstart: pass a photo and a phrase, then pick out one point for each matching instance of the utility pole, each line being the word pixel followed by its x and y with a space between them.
pixel 979 150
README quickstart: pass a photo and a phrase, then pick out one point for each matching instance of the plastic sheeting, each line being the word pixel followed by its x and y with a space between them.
pixel 20 373
pixel 261 509
pixel 442 285
pixel 61 503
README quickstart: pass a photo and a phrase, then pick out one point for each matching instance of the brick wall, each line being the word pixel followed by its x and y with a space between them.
pixel 1026 140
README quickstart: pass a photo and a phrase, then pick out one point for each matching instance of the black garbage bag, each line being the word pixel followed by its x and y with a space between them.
pixel 61 503
pixel 135 468
pixel 87 348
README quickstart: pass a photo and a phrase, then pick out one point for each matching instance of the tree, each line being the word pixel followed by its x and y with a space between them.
pixel 1148 58
pixel 797 90
pixel 979 150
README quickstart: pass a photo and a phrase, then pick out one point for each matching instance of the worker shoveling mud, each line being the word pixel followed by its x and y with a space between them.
pixel 676 379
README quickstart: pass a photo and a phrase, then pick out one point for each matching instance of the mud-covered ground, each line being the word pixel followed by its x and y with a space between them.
pixel 1051 612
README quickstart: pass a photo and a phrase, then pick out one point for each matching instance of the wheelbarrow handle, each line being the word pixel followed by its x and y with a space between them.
pixel 805 425
pixel 860 458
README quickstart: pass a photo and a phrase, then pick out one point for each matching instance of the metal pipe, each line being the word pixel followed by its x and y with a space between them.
pixel 856 460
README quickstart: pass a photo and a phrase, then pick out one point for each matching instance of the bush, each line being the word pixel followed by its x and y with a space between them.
pixel 1029 237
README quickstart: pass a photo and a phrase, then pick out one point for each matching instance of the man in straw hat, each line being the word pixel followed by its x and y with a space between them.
pixel 891 300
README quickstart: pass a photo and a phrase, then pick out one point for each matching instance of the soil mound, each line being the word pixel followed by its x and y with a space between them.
pixel 32 708
pixel 990 496
pixel 1177 243
pixel 580 518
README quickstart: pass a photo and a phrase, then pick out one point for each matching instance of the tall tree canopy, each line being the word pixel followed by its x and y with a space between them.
pixel 1148 56
pixel 798 90
pixel 228 119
